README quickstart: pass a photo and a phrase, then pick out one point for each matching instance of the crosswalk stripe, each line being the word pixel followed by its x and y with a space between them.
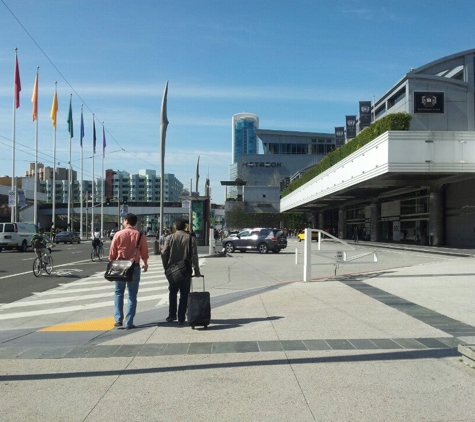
pixel 162 300
pixel 42 302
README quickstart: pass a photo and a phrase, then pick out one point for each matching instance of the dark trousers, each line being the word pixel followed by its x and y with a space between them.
pixel 184 289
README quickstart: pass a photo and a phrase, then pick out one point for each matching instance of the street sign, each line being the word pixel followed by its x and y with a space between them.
pixel 11 198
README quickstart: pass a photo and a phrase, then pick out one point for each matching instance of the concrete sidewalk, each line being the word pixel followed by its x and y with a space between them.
pixel 362 347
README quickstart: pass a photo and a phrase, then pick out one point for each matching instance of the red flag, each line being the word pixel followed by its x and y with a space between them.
pixel 17 84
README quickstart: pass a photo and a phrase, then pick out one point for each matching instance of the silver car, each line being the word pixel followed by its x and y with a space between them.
pixel 262 240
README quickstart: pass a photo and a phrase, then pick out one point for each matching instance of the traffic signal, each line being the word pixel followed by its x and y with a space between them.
pixel 108 201
pixel 124 200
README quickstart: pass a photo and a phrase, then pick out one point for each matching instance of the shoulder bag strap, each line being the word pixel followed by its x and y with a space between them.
pixel 137 246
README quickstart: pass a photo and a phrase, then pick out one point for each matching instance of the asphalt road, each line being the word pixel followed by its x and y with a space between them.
pixel 71 262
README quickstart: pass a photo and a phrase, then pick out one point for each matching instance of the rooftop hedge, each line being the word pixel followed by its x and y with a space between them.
pixel 396 121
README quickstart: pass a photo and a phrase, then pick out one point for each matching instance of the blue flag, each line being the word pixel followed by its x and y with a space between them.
pixel 82 128
pixel 93 135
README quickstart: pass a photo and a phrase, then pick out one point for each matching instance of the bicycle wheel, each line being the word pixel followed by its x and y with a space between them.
pixel 101 253
pixel 37 268
pixel 93 255
pixel 48 263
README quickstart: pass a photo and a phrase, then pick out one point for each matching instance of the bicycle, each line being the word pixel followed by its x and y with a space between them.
pixel 45 263
pixel 97 252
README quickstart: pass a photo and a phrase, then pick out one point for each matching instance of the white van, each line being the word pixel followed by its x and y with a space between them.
pixel 16 235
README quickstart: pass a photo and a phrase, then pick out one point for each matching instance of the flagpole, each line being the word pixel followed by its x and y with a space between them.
pixel 197 174
pixel 102 177
pixel 190 213
pixel 70 170
pixel 16 104
pixel 163 134
pixel 35 117
pixel 54 110
pixel 93 176
pixel 81 199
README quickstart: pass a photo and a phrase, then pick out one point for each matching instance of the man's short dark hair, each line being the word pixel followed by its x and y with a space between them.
pixel 131 218
pixel 180 224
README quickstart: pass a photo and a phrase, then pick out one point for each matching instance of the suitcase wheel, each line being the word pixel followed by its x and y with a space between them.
pixel 206 326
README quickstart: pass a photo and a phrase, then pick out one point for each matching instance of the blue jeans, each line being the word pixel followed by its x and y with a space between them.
pixel 132 289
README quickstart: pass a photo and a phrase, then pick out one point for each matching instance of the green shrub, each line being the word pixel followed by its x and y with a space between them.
pixel 396 121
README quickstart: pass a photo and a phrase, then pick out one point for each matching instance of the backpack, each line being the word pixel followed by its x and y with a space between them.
pixel 37 243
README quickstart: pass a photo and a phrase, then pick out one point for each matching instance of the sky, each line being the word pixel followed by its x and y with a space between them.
pixel 300 65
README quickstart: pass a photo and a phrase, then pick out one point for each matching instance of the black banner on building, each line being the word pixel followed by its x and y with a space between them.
pixel 350 127
pixel 365 114
pixel 429 102
pixel 339 136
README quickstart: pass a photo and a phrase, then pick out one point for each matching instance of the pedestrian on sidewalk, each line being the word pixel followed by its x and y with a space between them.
pixel 123 246
pixel 177 248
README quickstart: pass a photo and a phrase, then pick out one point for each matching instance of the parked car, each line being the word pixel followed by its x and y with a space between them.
pixel 301 236
pixel 67 237
pixel 262 240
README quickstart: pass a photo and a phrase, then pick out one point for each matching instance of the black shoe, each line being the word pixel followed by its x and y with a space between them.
pixel 170 319
pixel 181 322
pixel 118 324
pixel 130 327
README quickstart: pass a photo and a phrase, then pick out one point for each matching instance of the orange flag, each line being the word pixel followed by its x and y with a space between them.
pixel 34 99
pixel 54 109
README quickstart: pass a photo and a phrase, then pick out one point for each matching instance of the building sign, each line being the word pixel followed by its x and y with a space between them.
pixel 339 136
pixel 429 102
pixel 262 164
pixel 365 114
pixel 350 127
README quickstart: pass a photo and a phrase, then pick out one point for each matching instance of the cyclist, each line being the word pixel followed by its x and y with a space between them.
pixel 96 239
pixel 38 243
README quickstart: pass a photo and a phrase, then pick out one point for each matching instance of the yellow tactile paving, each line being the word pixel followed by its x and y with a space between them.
pixel 103 324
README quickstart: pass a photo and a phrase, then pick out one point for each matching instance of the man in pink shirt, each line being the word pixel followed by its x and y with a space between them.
pixel 123 247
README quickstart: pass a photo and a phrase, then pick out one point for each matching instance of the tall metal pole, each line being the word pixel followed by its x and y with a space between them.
pixel 163 134
pixel 34 100
pixel 16 104
pixel 70 172
pixel 93 176
pixel 54 110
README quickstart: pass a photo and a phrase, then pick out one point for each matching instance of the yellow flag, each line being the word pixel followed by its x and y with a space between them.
pixel 34 99
pixel 54 110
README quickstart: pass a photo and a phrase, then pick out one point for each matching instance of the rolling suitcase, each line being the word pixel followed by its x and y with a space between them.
pixel 199 307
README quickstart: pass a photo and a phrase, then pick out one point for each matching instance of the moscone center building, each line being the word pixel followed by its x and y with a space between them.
pixel 407 186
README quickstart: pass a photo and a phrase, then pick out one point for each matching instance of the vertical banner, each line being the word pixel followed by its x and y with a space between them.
pixel 197 210
pixel 350 127
pixel 365 114
pixel 339 136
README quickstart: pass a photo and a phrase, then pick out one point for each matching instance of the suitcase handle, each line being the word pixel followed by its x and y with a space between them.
pixel 194 276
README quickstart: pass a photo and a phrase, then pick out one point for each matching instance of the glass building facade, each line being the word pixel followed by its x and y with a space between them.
pixel 244 136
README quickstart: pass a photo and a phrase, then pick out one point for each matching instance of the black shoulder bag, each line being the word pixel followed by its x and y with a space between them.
pixel 123 269
pixel 180 271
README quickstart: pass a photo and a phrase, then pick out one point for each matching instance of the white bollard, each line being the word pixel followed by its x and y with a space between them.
pixel 296 256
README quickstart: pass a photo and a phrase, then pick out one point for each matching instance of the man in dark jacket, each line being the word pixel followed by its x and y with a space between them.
pixel 176 248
